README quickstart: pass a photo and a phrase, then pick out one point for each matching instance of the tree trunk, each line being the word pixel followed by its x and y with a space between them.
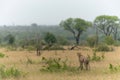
pixel 77 40
pixel 115 36
pixel 77 43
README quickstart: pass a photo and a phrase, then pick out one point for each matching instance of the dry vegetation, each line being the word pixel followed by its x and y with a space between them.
pixel 99 70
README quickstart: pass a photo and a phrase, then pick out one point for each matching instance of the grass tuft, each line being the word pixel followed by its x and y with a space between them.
pixel 56 65
pixel 10 72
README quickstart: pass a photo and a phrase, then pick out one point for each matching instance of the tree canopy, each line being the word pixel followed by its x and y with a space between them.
pixel 106 24
pixel 50 39
pixel 76 26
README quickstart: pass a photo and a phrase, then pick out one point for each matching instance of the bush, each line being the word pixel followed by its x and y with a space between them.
pixel 9 72
pixel 62 41
pixel 2 55
pixel 30 48
pixel 91 41
pixel 117 43
pixel 50 38
pixel 10 39
pixel 113 68
pixel 56 65
pixel 103 47
pixel 54 47
pixel 97 58
pixel 109 40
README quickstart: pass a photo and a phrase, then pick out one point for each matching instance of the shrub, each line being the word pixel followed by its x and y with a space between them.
pixel 2 55
pixel 103 47
pixel 96 58
pixel 50 38
pixel 10 39
pixel 117 43
pixel 91 41
pixel 56 65
pixel 113 68
pixel 109 40
pixel 62 41
pixel 30 48
pixel 9 72
pixel 54 47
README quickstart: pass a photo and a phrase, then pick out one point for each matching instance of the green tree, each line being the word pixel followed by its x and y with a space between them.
pixel 50 39
pixel 76 26
pixel 106 24
pixel 115 29
pixel 10 39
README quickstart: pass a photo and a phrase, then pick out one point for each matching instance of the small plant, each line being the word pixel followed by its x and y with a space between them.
pixel 114 68
pixel 56 65
pixel 103 55
pixel 97 58
pixel 111 67
pixel 2 55
pixel 29 61
pixel 9 72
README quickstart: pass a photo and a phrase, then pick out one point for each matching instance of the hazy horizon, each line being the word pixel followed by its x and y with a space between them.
pixel 51 12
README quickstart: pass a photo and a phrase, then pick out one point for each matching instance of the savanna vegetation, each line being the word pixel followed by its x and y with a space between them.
pixel 49 52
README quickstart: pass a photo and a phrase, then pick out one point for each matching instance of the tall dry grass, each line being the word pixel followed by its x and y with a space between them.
pixel 99 70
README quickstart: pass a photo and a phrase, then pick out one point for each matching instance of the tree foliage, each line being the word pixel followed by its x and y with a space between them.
pixel 10 39
pixel 107 24
pixel 76 26
pixel 50 39
pixel 109 40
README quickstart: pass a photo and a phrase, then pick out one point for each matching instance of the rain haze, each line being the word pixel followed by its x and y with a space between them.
pixel 51 12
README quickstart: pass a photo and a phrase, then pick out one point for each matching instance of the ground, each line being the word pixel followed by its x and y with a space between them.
pixel 99 70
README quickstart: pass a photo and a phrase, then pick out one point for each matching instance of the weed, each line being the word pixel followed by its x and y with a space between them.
pixel 29 61
pixel 2 55
pixel 114 68
pixel 97 58
pixel 56 65
pixel 9 72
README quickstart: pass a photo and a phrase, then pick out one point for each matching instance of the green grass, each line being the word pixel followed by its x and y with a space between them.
pixel 113 68
pixel 10 72
pixel 2 55
pixel 95 57
pixel 56 65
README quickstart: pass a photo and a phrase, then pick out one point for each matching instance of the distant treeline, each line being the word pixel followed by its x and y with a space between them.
pixel 29 32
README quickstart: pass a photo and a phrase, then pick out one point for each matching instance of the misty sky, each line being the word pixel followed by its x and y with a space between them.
pixel 51 12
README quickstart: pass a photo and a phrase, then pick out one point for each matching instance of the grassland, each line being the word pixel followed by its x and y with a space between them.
pixel 99 70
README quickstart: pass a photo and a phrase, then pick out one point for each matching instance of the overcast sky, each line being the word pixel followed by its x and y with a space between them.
pixel 51 12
